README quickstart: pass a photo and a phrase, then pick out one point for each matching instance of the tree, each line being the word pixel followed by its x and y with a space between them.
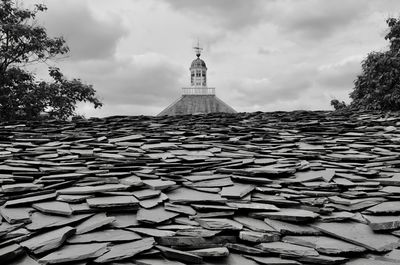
pixel 338 105
pixel 23 42
pixel 378 86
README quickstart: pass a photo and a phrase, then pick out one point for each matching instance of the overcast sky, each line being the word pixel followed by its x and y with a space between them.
pixel 262 55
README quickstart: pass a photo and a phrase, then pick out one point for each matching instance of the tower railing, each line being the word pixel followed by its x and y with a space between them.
pixel 198 91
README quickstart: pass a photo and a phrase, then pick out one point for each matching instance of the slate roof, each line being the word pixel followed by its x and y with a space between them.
pixel 248 188
pixel 195 104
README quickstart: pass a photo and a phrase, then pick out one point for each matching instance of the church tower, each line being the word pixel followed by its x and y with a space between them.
pixel 198 98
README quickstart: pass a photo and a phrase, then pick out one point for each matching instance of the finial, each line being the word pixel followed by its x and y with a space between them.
pixel 198 49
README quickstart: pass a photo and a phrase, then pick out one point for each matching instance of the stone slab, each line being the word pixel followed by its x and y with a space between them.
pixel 49 240
pixel 359 234
pixel 126 250
pixel 73 253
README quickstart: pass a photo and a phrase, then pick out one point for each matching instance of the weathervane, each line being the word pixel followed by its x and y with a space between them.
pixel 198 49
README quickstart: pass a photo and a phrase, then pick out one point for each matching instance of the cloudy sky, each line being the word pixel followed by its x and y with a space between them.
pixel 262 55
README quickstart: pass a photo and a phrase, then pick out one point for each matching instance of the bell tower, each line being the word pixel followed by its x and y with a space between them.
pixel 198 97
pixel 198 69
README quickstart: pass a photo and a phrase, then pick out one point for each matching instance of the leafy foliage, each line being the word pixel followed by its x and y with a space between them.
pixel 338 105
pixel 378 86
pixel 23 42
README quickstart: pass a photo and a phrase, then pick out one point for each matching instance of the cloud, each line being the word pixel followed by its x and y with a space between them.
pixel 267 50
pixel 147 79
pixel 87 35
pixel 284 87
pixel 339 76
pixel 316 19
pixel 134 84
pixel 230 14
pixel 262 54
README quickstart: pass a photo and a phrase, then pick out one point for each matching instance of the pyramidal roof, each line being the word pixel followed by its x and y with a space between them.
pixel 198 98
pixel 194 104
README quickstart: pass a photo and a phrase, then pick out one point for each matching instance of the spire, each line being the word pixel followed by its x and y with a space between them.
pixel 198 49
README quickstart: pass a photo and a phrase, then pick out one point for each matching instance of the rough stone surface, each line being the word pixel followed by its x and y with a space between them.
pixel 313 182
pixel 72 253
pixel 49 240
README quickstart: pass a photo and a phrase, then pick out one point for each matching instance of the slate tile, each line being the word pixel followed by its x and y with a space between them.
pixel 10 252
pixel 210 252
pixel 389 207
pixel 321 259
pixel 196 178
pixel 254 224
pixel 271 172
pixel 273 199
pixel 157 184
pixel 180 255
pixel 20 187
pixel 40 220
pixel 24 260
pixel 259 237
pixel 127 138
pixel 94 222
pixel 73 198
pixel 30 200
pixel 212 207
pixel 112 201
pixel 392 256
pixel 152 232
pixel 213 183
pixel 48 240
pixel 325 245
pixel 6 228
pixel 146 194
pixel 252 180
pixel 219 224
pixel 105 235
pixel 124 219
pixel 337 217
pixel 364 261
pixel 238 190
pixel 193 232
pixel 153 261
pixel 253 206
pixel 381 223
pixel 16 214
pixel 359 234
pixel 185 195
pixel 54 207
pixel 184 209
pixel 287 228
pixel 195 242
pixel 125 250
pixel 92 189
pixel 73 253
pixel 287 249
pixel 82 208
pixel 287 214
pixel 132 181
pixel 155 215
pixel 232 259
